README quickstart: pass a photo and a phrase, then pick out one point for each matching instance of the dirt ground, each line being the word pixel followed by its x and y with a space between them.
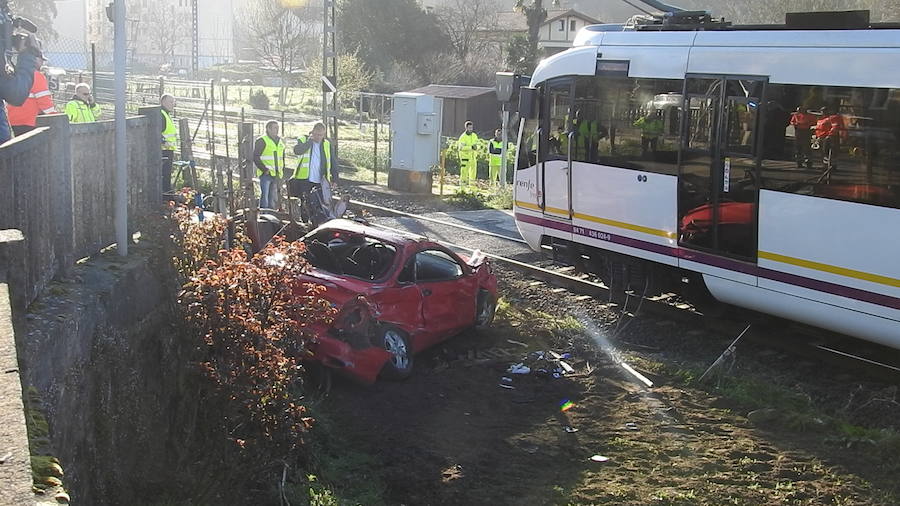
pixel 451 434
pixel 456 433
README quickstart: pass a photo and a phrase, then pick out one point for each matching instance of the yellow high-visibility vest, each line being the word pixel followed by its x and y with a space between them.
pixel 79 112
pixel 272 156
pixel 169 133
pixel 302 171
pixel 468 144
pixel 495 158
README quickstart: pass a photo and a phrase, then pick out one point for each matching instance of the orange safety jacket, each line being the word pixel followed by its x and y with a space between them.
pixel 831 126
pixel 39 101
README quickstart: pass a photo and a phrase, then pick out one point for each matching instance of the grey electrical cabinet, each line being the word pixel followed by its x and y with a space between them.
pixel 416 141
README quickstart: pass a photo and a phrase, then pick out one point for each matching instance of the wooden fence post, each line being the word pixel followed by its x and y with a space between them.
pixel 186 149
pixel 250 204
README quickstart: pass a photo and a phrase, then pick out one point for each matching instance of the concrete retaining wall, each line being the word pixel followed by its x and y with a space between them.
pixel 114 379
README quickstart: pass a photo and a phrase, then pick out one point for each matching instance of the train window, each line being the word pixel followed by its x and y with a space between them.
pixel 528 146
pixel 695 183
pixel 628 123
pixel 556 124
pixel 833 142
pixel 741 115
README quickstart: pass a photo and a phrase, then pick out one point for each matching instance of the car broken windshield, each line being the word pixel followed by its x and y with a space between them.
pixel 350 254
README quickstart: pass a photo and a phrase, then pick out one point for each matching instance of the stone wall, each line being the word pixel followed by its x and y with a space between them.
pixel 103 353
pixel 57 186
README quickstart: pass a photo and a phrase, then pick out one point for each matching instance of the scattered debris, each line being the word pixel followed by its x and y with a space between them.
pixel 570 429
pixel 728 353
pixel 599 458
pixel 518 343
pixel 519 368
pixel 566 405
pixel 506 379
pixel 508 387
pixel 559 359
pixel 631 426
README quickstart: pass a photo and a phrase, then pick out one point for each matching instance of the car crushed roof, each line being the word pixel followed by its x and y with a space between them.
pixel 397 238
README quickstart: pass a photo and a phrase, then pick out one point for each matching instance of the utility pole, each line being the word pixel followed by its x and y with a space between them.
pixel 330 73
pixel 121 197
pixel 195 39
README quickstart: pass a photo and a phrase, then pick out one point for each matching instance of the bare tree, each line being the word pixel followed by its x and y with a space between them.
pixel 284 38
pixel 165 29
pixel 465 22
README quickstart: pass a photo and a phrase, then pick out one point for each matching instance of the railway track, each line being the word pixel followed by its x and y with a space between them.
pixel 846 352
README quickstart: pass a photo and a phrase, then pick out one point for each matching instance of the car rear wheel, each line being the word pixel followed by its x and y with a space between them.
pixel 485 309
pixel 396 342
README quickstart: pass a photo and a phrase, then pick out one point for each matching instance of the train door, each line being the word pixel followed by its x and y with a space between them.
pixel 719 173
pixel 556 163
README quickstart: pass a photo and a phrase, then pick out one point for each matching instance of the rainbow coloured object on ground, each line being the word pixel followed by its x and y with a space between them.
pixel 566 405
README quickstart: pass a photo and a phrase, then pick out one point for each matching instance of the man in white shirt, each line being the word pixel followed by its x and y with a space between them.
pixel 315 165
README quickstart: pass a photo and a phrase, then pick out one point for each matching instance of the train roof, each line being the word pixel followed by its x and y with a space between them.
pixel 864 57
pixel 881 38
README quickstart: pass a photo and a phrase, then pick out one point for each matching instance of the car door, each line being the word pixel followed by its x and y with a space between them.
pixel 448 293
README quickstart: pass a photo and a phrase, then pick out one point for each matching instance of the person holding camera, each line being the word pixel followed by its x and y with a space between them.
pixel 16 82
pixel 315 167
pixel 82 108
pixel 23 118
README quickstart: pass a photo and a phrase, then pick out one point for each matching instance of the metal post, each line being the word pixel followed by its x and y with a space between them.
pixel 503 151
pixel 219 185
pixel 330 73
pixel 228 168
pixel 375 162
pixel 195 40
pixel 93 68
pixel 443 153
pixel 121 198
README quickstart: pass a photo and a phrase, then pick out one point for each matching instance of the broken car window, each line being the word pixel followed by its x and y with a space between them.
pixel 436 265
pixel 349 254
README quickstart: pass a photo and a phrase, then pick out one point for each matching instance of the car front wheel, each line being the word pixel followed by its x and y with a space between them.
pixel 485 309
pixel 396 342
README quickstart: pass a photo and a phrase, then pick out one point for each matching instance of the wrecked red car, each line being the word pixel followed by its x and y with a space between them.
pixel 395 296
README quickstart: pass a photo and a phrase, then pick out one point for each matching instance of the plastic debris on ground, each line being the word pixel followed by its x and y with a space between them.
pixel 548 364
pixel 508 387
pixel 631 426
pixel 519 368
pixel 570 429
pixel 599 458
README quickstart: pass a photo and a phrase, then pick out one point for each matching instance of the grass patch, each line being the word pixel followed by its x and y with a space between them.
pixel 340 473
pixel 537 321
pixel 485 197
pixel 46 471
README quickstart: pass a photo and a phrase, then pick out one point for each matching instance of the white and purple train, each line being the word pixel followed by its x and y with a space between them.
pixel 756 165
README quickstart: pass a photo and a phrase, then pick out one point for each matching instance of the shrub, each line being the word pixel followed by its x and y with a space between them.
pixel 250 322
pixel 259 100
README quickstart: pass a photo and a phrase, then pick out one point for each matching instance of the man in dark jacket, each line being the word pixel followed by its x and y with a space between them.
pixel 16 84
